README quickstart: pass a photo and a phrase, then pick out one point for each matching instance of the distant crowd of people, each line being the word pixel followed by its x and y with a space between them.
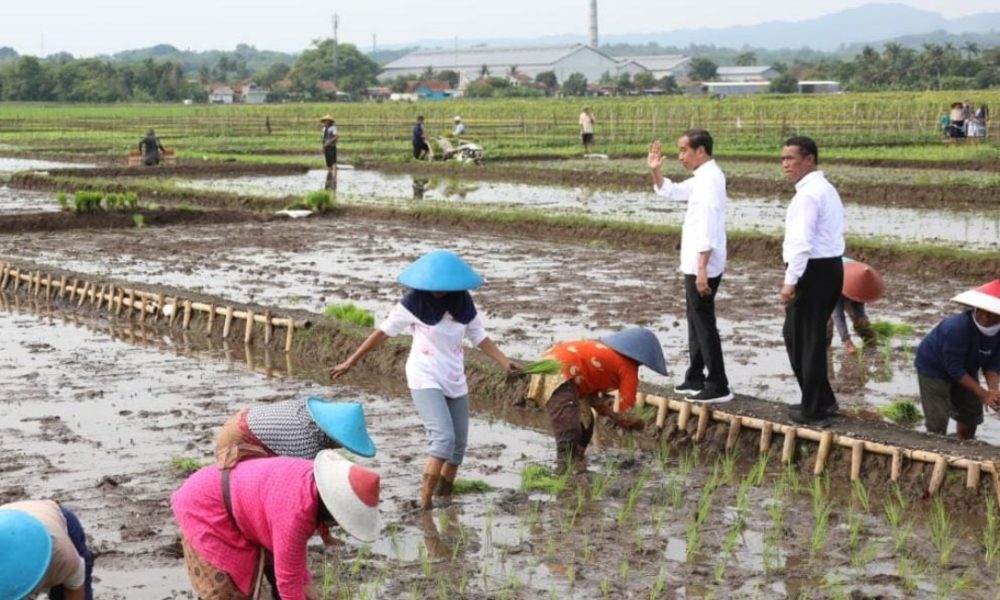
pixel 962 120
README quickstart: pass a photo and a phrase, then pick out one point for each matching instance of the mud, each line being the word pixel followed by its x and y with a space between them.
pixel 36 222
pixel 183 168
pixel 22 201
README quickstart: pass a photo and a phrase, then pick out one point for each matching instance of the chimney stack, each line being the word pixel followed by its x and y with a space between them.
pixel 592 28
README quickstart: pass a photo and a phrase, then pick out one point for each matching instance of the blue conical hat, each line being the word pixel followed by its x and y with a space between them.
pixel 639 344
pixel 440 271
pixel 344 422
pixel 25 553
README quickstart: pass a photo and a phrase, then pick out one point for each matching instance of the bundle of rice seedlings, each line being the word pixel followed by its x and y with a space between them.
pixel 902 411
pixel 350 313
pixel 546 366
pixel 467 486
pixel 887 330
pixel 539 477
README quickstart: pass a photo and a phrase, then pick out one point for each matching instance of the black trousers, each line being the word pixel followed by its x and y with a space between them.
pixel 806 316
pixel 704 345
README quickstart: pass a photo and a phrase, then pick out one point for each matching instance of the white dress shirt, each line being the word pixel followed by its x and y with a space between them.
pixel 705 219
pixel 814 225
pixel 437 355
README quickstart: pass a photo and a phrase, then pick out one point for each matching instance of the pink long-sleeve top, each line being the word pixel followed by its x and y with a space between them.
pixel 275 503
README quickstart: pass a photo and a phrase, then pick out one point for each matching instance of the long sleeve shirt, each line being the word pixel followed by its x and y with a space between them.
pixel 594 367
pixel 437 355
pixel 814 225
pixel 275 503
pixel 705 219
pixel 955 348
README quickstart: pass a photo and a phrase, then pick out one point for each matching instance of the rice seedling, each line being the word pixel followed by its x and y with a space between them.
pixel 902 411
pixel 861 558
pixel 545 366
pixel 600 481
pixel 536 476
pixel 821 512
pixel 63 200
pixel 425 563
pixel 350 313
pixel 661 582
pixel 359 562
pixel 885 331
pixel 663 454
pixel 183 465
pixel 571 574
pixel 991 535
pixel 318 201
pixel 470 486
pixel 675 493
pixel 139 221
pixel 943 535
pixel 854 523
pixel 861 494
pixel 587 549
pixel 633 496
pixel 701 514
pixel 728 466
pixel 759 470
pixel 623 570
pixel 605 586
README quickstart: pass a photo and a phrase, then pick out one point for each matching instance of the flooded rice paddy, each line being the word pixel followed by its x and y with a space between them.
pixel 974 229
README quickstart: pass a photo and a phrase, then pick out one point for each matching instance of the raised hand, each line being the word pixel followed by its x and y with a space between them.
pixel 655 158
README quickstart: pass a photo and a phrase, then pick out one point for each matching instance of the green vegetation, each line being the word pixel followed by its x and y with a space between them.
pixel 139 221
pixel 470 486
pixel 902 411
pixel 183 465
pixel 546 366
pixel 350 313
pixel 539 477
pixel 887 330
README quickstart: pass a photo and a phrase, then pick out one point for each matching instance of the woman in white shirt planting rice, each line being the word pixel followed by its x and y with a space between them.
pixel 439 312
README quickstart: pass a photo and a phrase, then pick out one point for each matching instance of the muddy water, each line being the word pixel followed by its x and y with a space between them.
pixel 93 419
pixel 973 228
pixel 9 165
pixel 23 201
pixel 537 292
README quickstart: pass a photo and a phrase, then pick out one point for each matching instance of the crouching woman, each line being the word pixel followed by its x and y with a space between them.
pixel 234 522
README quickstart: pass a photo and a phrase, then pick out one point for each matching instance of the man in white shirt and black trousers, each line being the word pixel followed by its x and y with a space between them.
pixel 703 258
pixel 814 274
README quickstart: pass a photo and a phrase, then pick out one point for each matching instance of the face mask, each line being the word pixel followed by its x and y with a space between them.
pixel 987 331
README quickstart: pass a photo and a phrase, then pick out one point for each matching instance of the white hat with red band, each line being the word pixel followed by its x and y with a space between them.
pixel 985 297
pixel 350 492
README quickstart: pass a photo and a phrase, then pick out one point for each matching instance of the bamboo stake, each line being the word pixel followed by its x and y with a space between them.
pixel 160 303
pixel 735 424
pixel 3 277
pixel 186 322
pixel 661 405
pixel 83 294
pixel 131 303
pixel 937 475
pixel 897 465
pixel 142 310
pixel 684 416
pixel 290 336
pixel 35 281
pixel 48 285
pixel 248 352
pixel 211 321
pixel 62 286
pixel 288 364
pixel 110 296
pixel 996 479
pixel 174 309
pixel 640 400
pixel 857 455
pixel 788 448
pixel 703 419
pixel 972 476
pixel 228 323
pixel 248 333
pixel 17 281
pixel 268 327
pixel 119 301
pixel 766 433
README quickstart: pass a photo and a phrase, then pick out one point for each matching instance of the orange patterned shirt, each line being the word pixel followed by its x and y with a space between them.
pixel 594 367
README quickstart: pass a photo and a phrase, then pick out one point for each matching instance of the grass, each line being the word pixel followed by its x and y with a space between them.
pixel 350 313
pixel 183 465
pixel 902 411
pixel 943 534
pixel 991 534
pixel 471 486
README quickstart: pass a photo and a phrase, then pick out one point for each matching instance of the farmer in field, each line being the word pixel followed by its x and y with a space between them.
pixel 862 285
pixel 591 369
pixel 703 258
pixel 330 137
pixel 459 128
pixel 950 358
pixel 420 146
pixel 301 428
pixel 587 121
pixel 439 312
pixel 255 520
pixel 43 549
pixel 813 251
pixel 151 149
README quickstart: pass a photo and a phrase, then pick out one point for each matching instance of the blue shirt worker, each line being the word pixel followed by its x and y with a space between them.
pixel 950 358
pixel 420 147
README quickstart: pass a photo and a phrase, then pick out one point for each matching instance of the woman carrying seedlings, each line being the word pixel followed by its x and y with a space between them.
pixel 233 521
pixel 43 549
pixel 439 312
pixel 950 358
pixel 590 369
pixel 300 428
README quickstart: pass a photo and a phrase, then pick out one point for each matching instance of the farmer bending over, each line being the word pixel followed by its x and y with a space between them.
pixel 862 285
pixel 300 428
pixel 591 369
pixel 949 360
pixel 43 549
pixel 234 521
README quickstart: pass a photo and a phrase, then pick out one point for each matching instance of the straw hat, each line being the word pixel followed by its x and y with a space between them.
pixel 458 118
pixel 344 422
pixel 25 553
pixel 861 282
pixel 639 344
pixel 350 493
pixel 985 297
pixel 326 117
pixel 440 271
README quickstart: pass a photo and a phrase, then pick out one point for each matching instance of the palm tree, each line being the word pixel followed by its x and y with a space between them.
pixel 746 59
pixel 972 49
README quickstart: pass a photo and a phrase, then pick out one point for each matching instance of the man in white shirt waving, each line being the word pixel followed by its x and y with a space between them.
pixel 703 258
pixel 814 276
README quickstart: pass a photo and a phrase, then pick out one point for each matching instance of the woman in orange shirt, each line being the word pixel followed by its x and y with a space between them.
pixel 590 369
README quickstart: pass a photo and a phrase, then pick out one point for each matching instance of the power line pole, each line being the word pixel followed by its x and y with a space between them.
pixel 336 24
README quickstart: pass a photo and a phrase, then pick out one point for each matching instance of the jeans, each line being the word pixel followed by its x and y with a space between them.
pixel 446 421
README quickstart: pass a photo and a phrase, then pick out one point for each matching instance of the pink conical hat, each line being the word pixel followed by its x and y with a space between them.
pixel 985 297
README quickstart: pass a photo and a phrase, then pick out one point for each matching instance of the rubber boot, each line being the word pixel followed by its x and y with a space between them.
pixel 427 491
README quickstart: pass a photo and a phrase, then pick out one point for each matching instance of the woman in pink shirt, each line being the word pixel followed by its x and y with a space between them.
pixel 440 314
pixel 233 520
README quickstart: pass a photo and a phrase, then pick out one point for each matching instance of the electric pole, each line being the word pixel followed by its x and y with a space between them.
pixel 336 24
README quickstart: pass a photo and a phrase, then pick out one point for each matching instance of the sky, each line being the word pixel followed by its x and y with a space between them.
pixel 92 27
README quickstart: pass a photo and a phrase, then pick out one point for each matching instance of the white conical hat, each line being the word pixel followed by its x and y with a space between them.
pixel 350 492
pixel 985 297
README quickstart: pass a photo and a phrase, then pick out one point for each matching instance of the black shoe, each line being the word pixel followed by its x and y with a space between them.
pixel 710 396
pixel 831 411
pixel 689 389
pixel 820 423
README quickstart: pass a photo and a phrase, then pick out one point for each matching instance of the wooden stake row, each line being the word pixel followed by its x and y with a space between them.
pixel 148 305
